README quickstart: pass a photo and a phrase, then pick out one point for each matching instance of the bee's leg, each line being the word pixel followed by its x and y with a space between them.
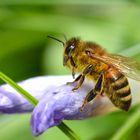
pixel 77 79
pixel 81 80
pixel 92 94
pixel 73 64
pixel 81 77
pixel 73 73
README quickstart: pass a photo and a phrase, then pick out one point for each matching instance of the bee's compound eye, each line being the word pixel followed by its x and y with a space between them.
pixel 70 48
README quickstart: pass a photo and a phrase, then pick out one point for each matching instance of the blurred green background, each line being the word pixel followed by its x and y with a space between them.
pixel 25 51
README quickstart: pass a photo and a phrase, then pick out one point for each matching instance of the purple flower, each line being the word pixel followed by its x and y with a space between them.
pixel 57 101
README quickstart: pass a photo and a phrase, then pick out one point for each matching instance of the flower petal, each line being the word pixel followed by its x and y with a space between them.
pixel 12 102
pixel 62 103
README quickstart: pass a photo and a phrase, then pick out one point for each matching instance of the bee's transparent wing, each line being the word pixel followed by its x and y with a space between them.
pixel 128 66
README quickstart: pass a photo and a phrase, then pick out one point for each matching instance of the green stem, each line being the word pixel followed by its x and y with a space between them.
pixel 24 93
pixel 63 127
pixel 68 131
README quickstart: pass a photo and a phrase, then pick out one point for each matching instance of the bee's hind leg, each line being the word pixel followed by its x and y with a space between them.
pixel 92 94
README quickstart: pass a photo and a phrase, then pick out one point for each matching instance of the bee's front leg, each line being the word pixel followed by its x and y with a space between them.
pixel 81 77
pixel 97 90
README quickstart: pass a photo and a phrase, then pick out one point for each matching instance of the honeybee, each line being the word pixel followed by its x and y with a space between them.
pixel 109 71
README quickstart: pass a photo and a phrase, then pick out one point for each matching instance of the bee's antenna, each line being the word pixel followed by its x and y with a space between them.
pixel 56 39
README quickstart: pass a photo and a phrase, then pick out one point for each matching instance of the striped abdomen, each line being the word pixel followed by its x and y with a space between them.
pixel 117 88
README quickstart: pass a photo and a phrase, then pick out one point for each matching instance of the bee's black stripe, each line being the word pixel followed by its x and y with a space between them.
pixel 126 98
pixel 123 92
pixel 120 83
pixel 121 86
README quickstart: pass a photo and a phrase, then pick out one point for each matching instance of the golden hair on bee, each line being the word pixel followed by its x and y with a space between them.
pixel 109 71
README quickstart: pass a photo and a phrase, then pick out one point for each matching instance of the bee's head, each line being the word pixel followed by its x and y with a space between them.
pixel 69 51
pixel 69 47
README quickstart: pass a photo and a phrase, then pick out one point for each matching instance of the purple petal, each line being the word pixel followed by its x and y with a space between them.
pixel 62 103
pixel 12 102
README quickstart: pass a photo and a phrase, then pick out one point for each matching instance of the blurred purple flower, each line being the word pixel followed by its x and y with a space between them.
pixel 57 101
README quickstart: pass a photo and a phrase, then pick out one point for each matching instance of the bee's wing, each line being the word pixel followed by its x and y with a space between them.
pixel 128 66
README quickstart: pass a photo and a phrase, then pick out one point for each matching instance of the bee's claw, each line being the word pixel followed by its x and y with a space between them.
pixel 82 107
pixel 70 83
pixel 74 89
